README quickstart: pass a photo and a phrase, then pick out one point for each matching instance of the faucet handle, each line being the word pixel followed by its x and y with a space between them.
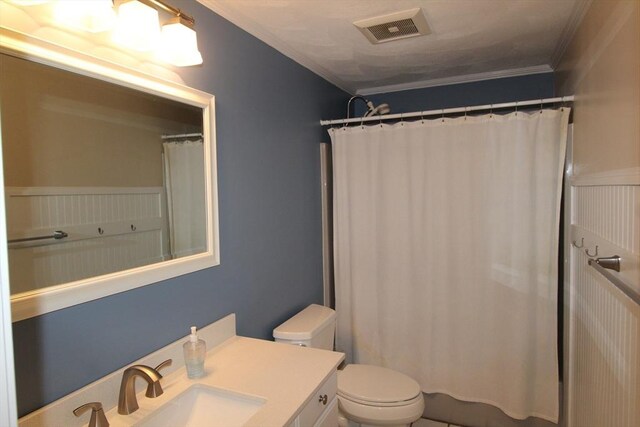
pixel 164 364
pixel 154 389
pixel 98 419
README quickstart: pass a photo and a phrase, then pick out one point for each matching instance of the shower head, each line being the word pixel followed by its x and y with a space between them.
pixel 372 110
pixel 377 111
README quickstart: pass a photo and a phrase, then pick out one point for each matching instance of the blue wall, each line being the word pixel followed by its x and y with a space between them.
pixel 494 91
pixel 268 112
pixel 268 109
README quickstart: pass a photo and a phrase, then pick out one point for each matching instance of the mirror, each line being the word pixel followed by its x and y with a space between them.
pixel 109 183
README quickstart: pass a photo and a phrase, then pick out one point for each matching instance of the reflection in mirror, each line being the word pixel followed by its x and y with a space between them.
pixel 98 177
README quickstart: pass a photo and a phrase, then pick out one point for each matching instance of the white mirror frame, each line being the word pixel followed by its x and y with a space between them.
pixel 38 302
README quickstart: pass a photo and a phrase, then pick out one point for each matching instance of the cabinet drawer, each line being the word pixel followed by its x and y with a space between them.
pixel 320 401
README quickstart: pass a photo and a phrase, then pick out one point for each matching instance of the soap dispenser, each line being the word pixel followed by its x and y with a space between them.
pixel 194 353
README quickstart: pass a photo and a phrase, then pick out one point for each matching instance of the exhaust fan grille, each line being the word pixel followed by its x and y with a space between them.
pixel 395 26
pixel 393 30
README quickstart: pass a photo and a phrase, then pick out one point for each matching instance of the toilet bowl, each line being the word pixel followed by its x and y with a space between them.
pixel 367 395
pixel 372 395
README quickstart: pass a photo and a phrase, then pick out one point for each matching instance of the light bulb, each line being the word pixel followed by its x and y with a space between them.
pixel 89 15
pixel 27 2
pixel 137 26
pixel 179 45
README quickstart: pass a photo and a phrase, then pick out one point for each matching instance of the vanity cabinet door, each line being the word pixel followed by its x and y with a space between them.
pixel 329 417
pixel 320 401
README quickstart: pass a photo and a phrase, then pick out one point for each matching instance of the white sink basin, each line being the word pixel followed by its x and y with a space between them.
pixel 202 406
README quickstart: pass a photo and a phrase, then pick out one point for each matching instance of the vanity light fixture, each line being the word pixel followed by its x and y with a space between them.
pixel 137 26
pixel 27 2
pixel 94 16
pixel 179 43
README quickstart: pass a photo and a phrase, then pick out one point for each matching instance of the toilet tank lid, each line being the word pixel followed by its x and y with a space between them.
pixel 306 324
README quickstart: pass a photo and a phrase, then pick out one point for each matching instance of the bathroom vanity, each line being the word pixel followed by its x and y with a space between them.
pixel 248 382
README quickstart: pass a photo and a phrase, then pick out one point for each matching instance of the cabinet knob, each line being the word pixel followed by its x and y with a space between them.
pixel 323 399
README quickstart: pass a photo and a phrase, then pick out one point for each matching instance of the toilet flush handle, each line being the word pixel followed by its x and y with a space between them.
pixel 323 399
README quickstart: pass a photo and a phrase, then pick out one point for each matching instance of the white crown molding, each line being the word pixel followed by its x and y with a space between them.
pixel 267 37
pixel 465 78
pixel 577 15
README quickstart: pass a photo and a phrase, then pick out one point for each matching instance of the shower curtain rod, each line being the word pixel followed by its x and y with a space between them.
pixel 449 111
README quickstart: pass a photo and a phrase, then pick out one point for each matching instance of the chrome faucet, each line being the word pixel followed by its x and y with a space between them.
pixel 127 402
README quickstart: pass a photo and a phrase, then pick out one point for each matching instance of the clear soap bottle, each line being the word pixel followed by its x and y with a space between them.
pixel 194 352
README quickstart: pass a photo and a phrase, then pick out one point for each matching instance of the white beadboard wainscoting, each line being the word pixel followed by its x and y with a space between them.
pixel 610 211
pixel 109 229
pixel 604 375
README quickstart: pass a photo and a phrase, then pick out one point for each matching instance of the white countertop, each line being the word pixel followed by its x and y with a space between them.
pixel 284 375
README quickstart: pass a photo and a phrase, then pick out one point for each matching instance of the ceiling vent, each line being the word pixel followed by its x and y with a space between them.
pixel 395 26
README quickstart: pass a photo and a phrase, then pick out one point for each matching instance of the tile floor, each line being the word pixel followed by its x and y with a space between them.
pixel 423 422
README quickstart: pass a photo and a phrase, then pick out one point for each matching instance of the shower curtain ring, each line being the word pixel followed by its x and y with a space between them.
pixel 589 255
pixel 443 115
pixel 581 243
pixel 401 120
pixel 362 123
pixel 422 116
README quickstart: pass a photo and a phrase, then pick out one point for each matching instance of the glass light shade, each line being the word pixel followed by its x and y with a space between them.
pixel 27 2
pixel 179 45
pixel 137 26
pixel 89 15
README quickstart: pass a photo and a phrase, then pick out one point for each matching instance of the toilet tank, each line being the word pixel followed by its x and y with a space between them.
pixel 314 326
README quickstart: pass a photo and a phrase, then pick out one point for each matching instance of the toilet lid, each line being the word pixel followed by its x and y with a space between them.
pixel 367 383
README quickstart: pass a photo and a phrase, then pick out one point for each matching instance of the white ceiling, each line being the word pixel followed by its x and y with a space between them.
pixel 470 40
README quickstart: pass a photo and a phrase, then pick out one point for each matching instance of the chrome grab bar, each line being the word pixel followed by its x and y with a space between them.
pixel 610 263
pixel 58 234
pixel 604 265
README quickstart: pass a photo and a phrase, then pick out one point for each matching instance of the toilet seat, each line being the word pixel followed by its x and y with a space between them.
pixel 382 405
pixel 378 396
pixel 404 414
pixel 377 386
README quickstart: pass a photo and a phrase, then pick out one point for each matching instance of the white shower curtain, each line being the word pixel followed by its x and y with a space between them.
pixel 446 252
pixel 184 184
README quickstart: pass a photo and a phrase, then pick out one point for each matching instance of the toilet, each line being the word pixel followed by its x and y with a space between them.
pixel 367 395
